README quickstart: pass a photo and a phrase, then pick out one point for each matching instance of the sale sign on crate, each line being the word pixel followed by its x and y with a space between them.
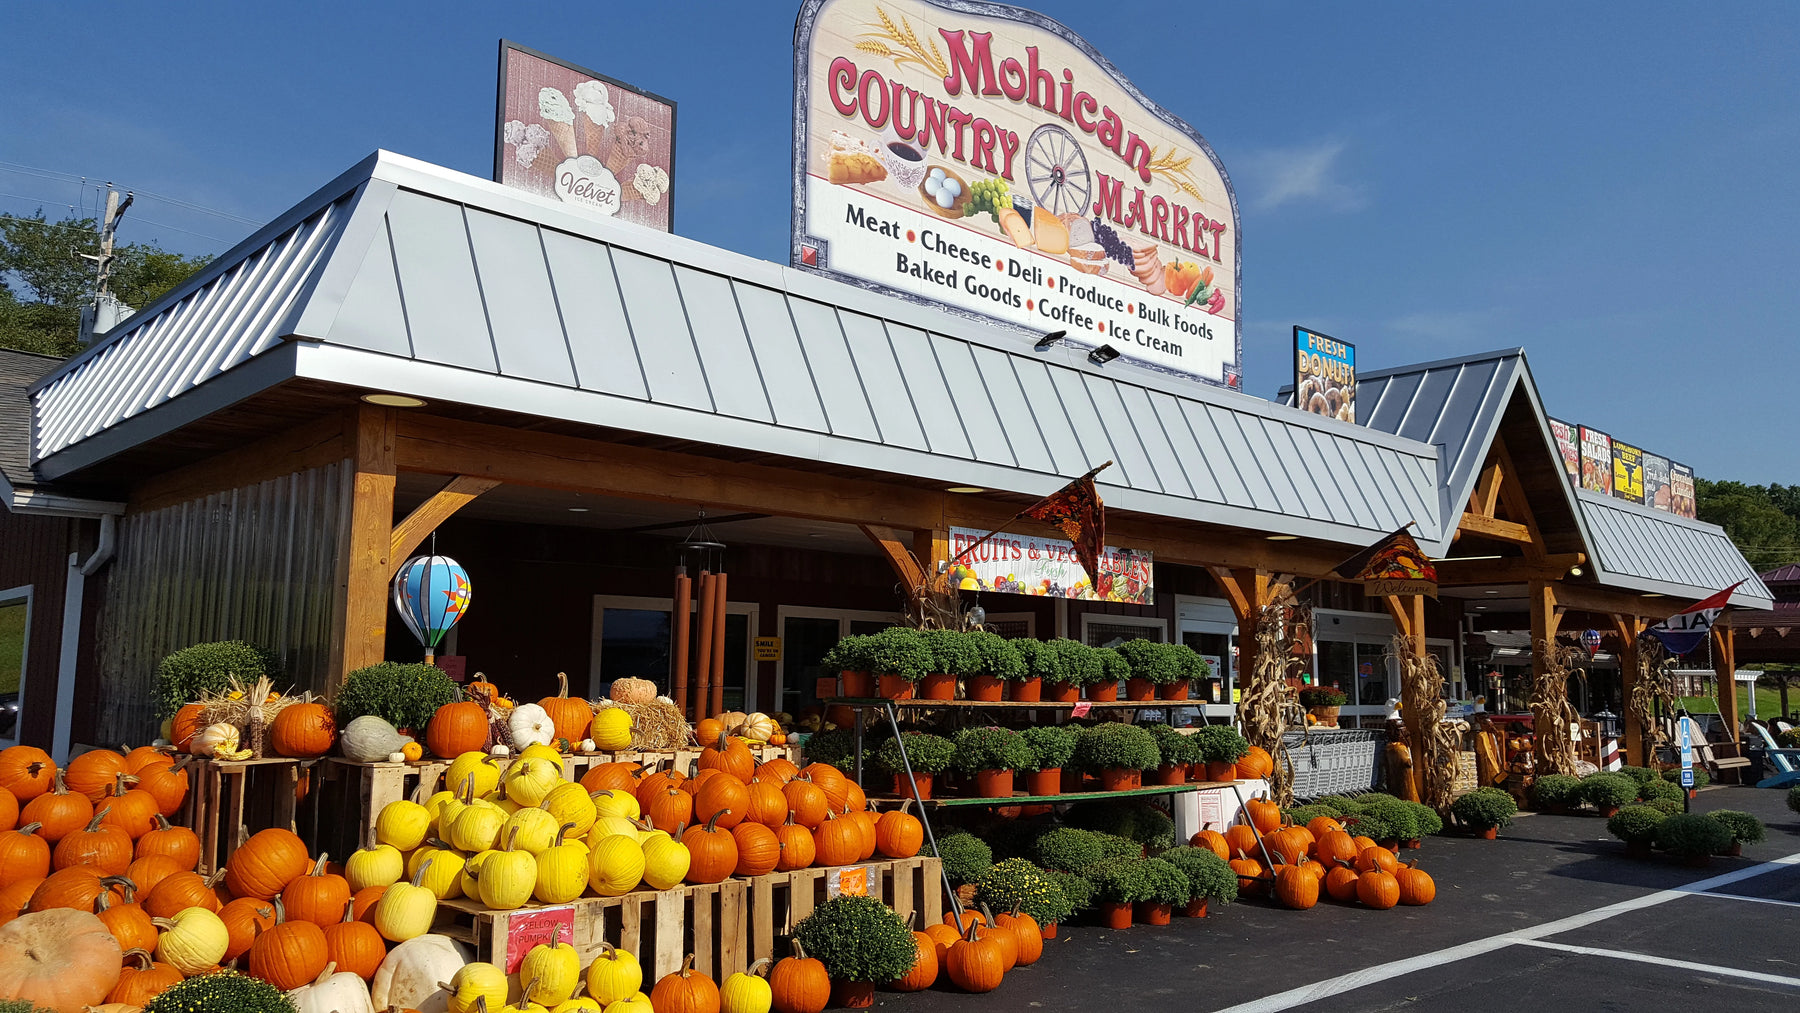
pixel 525 929
pixel 849 881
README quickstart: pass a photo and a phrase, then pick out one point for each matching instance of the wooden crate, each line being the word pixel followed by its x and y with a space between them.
pixel 230 800
pixel 661 926
pixel 913 887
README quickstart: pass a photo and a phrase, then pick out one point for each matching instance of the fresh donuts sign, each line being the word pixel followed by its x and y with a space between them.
pixel 986 159
pixel 1325 375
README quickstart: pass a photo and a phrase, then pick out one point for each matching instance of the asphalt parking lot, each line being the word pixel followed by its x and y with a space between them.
pixel 1553 911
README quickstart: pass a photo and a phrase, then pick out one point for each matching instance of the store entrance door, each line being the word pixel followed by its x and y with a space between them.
pixel 806 636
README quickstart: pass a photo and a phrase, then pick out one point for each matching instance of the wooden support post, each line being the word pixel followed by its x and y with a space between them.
pixel 410 533
pixel 367 569
pixel 1725 668
pixel 1629 628
pixel 1248 592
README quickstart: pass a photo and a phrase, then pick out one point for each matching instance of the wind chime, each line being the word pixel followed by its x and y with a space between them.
pixel 704 595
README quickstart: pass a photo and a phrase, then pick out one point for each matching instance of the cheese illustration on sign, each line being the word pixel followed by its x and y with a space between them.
pixel 986 159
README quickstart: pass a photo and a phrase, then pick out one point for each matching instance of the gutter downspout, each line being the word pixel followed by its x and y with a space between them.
pixel 73 595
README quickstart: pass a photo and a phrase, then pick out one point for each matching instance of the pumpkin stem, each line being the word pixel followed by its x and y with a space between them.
pixel 712 824
pixel 163 923
pixel 349 911
pixel 426 864
pixel 280 910
pixel 140 956
pixel 330 969
pixel 687 966
pixel 94 824
pixel 318 868
pixel 562 685
pixel 31 828
pixel 525 997
pixel 799 951
pixel 560 833
pixel 759 969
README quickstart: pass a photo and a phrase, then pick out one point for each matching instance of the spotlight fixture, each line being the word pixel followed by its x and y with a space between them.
pixel 1103 355
pixel 1045 343
pixel 393 400
pixel 1574 571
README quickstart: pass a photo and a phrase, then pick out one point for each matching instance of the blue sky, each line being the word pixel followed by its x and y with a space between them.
pixel 1614 187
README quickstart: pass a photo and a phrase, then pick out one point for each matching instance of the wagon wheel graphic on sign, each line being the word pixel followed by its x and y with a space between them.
pixel 1056 171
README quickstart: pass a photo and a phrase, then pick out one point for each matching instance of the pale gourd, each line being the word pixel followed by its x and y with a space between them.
pixel 406 910
pixel 333 992
pixel 615 975
pixel 532 830
pixel 612 728
pixel 402 824
pixel 218 740
pixel 733 722
pixel 507 877
pixel 616 802
pixel 633 690
pixel 551 971
pixel 369 739
pixel 562 871
pixel 475 985
pixel 380 865
pixel 616 865
pixel 479 766
pixel 408 976
pixel 568 802
pixel 444 876
pixel 192 941
pixel 758 727
pixel 530 781
pixel 530 725
pixel 470 877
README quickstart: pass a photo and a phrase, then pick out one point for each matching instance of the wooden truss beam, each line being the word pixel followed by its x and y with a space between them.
pixel 1495 528
pixel 1507 571
pixel 894 548
pixel 425 518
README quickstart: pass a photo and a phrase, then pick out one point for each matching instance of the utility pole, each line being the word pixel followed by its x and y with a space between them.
pixel 105 311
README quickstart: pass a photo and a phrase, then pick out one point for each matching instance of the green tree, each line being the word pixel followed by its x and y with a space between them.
pixel 1754 518
pixel 45 279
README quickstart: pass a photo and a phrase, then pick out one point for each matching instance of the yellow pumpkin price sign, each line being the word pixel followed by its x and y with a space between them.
pixel 525 929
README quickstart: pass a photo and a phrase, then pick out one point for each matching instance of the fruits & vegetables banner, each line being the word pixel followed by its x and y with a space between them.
pixel 1047 568
pixel 986 159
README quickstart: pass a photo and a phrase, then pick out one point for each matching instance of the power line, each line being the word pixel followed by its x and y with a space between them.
pixel 30 170
pixel 177 228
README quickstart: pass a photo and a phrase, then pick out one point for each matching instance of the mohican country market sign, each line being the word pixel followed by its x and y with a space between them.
pixel 986 159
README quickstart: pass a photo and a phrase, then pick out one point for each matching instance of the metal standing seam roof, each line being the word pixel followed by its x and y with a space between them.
pixel 1650 550
pixel 18 371
pixel 407 277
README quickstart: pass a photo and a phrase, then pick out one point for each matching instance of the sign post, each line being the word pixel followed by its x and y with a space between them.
pixel 1687 759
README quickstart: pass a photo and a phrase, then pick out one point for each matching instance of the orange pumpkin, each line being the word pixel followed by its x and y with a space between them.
pixel 1376 858
pixel 1212 841
pixel 837 841
pixel 148 872
pixel 1340 884
pixel 319 897
pixel 289 955
pixel 457 728
pixel 1362 843
pixel 831 781
pixel 712 852
pixel 1296 887
pixel 362 905
pixel 778 768
pixel 1377 889
pixel 186 724
pixel 799 984
pixel 1416 886
pixel 899 834
pixel 807 801
pixel 767 803
pixel 245 918
pixel 620 776
pixel 1266 815
pixel 265 864
pixel 127 921
pixel 9 810
pixel 797 848
pixel 14 897
pixel 132 810
pixel 709 730
pixel 865 832
pixel 354 946
pixel 943 936
pixel 78 887
pixel 94 773
pixel 669 809
pixel 924 973
pixel 975 962
pixel 730 756
pixel 758 849
pixel 59 811
pixel 570 715
pixel 167 781
pixel 1319 826
pixel 178 844
pixel 1257 763
pixel 63 960
pixel 722 799
pixel 686 990
pixel 142 978
pixel 303 730
pixel 24 855
pixel 655 783
pixel 105 847
pixel 26 771
pixel 1335 848
pixel 1241 838
pixel 181 891
pixel 1249 872
pixel 1029 934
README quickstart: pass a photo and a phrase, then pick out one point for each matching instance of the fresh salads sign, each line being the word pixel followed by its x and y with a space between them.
pixel 1047 568
pixel 986 159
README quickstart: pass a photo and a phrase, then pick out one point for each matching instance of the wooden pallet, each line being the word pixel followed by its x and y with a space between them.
pixel 661 926
pixel 230 800
pixel 913 887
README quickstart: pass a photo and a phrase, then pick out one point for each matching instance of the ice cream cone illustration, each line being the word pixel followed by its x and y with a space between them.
pixel 630 145
pixel 558 118
pixel 596 114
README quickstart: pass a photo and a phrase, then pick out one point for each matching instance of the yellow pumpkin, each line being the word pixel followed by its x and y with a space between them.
pixel 192 941
pixel 444 877
pixel 531 829
pixel 568 802
pixel 666 862
pixel 406 910
pixel 617 865
pixel 380 865
pixel 614 976
pixel 475 985
pixel 562 872
pixel 579 1004
pixel 613 802
pixel 477 827
pixel 607 826
pixel 551 971
pixel 529 780
pixel 434 807
pixel 611 729
pixel 402 824
pixel 499 800
pixel 747 992
pixel 539 751
pixel 507 877
pixel 470 876
pixel 524 1006
pixel 638 1003
pixel 475 771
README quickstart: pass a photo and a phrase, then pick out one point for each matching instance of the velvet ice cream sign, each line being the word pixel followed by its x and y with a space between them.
pixel 584 139
pixel 986 159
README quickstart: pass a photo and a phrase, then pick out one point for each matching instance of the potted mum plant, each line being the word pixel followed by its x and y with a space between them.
pixel 1607 792
pixel 860 941
pixel 1152 664
pixel 999 662
pixel 1051 746
pixel 1692 837
pixel 1221 747
pixel 1164 887
pixel 953 657
pixel 1039 663
pixel 1017 885
pixel 1119 754
pixel 1191 670
pixel 928 754
pixel 1078 666
pixel 1556 793
pixel 1322 702
pixel 1485 810
pixel 990 755
pixel 850 657
pixel 898 657
pixel 1118 886
pixel 1636 826
pixel 1179 753
pixel 1745 829
pixel 1114 669
pixel 966 858
pixel 1209 878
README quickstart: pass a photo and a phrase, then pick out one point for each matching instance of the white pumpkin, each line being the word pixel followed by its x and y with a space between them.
pixel 758 727
pixel 333 992
pixel 219 739
pixel 410 973
pixel 531 726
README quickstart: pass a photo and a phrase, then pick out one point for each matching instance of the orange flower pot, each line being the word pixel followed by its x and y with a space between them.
pixel 852 994
pixel 1026 690
pixel 993 783
pixel 1196 908
pixel 1177 690
pixel 896 687
pixel 1221 772
pixel 1140 689
pixel 856 684
pixel 1044 782
pixel 986 688
pixel 1116 916
pixel 938 687
pixel 1048 931
pixel 1153 914
pixel 904 790
pixel 1062 692
pixel 1102 692
pixel 1168 774
pixel 1121 779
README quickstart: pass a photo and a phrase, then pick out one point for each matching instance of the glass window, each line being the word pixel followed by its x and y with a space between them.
pixel 1114 634
pixel 634 643
pixel 1373 688
pixel 1216 649
pixel 737 653
pixel 12 663
pixel 1337 666
pixel 804 642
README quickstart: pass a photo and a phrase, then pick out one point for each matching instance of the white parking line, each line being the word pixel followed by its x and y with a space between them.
pixel 1382 972
pixel 1753 900
pixel 1645 958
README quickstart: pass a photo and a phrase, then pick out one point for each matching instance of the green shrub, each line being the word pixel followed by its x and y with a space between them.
pixel 1365 823
pixel 1163 883
pixel 1745 828
pixel 1118 849
pixel 1401 819
pixel 900 651
pixel 1069 849
pixel 1701 777
pixel 849 654
pixel 1121 882
pixel 1556 790
pixel 1301 815
pixel 929 754
pixel 405 696
pixel 952 653
pixel 1608 791
pixel 1339 805
pixel 966 857
pixel 1485 807
pixel 1207 874
pixel 192 672
pixel 1116 745
pixel 221 992
pixel 1177 749
pixel 990 748
pixel 1113 666
pixel 1078 890
pixel 858 939
pixel 1635 823
pixel 1011 838
pixel 1051 745
pixel 1133 819
pixel 1638 774
pixel 1221 744
pixel 1040 660
pixel 1154 662
pixel 1650 791
pixel 1000 657
pixel 1793 798
pixel 1668 806
pixel 833 747
pixel 1322 696
pixel 1080 664
pixel 1692 834
pixel 1429 822
pixel 1016 883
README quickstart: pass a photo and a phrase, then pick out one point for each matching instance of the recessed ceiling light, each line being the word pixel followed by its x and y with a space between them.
pixel 393 400
pixel 965 489
pixel 814 534
pixel 1282 538
pixel 1491 592
pixel 1651 594
pixel 1481 606
pixel 578 510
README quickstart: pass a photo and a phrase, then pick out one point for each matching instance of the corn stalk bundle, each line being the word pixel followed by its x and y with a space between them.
pixel 1269 705
pixel 1651 686
pixel 1553 750
pixel 251 708
pixel 1422 706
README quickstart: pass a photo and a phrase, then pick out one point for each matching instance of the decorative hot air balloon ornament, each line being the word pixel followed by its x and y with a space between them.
pixel 431 593
pixel 1590 639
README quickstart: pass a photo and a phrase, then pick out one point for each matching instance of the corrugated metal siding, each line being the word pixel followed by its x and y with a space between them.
pixel 232 317
pixel 257 563
pixel 1637 542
